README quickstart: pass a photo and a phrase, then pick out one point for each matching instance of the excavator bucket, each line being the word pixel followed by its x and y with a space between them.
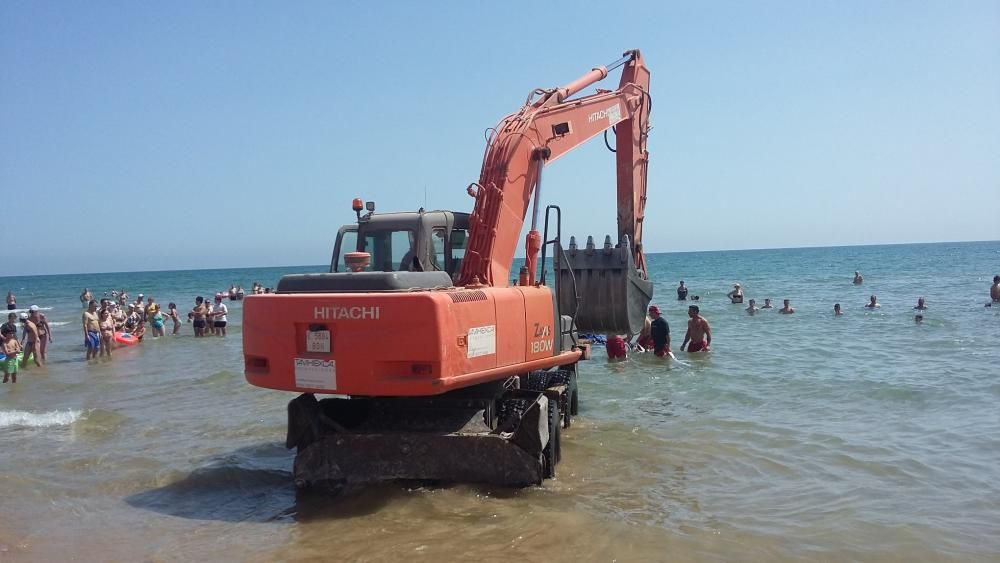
pixel 602 289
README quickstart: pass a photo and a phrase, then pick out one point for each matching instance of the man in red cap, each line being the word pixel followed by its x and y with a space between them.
pixel 659 331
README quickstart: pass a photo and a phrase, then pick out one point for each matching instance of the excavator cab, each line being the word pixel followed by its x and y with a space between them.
pixel 422 241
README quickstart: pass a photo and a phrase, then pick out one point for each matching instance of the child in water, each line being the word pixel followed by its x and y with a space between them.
pixel 11 347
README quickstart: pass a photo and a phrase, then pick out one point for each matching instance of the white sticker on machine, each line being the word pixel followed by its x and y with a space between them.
pixel 482 341
pixel 318 341
pixel 614 114
pixel 315 374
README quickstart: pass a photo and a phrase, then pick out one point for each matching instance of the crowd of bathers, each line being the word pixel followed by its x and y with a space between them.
pixel 655 334
pixel 112 321
pixel 117 319
pixel 116 316
pixel 36 335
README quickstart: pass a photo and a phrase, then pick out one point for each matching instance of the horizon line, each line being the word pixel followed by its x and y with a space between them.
pixel 515 258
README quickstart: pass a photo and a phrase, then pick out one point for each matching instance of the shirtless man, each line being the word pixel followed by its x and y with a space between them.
pixel 617 350
pixel 872 303
pixel 44 331
pixel 140 307
pixel 787 309
pixel 857 278
pixel 91 330
pixel 198 316
pixel 921 306
pixel 645 340
pixel 836 310
pixel 736 295
pixel 767 303
pixel 753 307
pixel 995 290
pixel 29 341
pixel 699 334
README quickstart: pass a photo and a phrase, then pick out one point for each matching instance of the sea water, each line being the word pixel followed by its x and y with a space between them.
pixel 806 436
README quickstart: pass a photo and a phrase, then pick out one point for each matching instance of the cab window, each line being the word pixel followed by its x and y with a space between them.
pixel 348 243
pixel 459 240
pixel 390 250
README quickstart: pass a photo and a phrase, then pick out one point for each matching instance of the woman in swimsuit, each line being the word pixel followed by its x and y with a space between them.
pixel 107 332
pixel 154 316
pixel 172 315
pixel 736 295
pixel 42 325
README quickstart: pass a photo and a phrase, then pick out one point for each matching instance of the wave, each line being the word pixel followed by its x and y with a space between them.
pixel 38 420
pixel 59 323
pixel 26 310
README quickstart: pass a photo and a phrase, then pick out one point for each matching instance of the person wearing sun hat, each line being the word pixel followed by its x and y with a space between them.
pixel 736 295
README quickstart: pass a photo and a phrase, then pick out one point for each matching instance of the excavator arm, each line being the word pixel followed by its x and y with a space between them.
pixel 541 132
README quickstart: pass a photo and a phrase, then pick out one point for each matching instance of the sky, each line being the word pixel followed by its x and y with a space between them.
pixel 175 135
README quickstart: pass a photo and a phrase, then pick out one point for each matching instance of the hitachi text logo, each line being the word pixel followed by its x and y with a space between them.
pixel 352 313
pixel 613 114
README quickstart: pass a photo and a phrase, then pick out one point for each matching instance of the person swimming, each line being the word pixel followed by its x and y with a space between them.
pixel 836 310
pixel 857 278
pixel 787 309
pixel 767 303
pixel 921 305
pixel 753 307
pixel 872 303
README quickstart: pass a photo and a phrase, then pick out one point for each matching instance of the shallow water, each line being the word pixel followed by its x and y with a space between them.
pixel 799 437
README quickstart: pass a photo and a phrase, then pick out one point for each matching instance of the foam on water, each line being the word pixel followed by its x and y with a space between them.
pixel 25 310
pixel 9 419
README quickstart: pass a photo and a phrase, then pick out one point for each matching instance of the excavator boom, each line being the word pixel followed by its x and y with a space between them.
pixel 538 134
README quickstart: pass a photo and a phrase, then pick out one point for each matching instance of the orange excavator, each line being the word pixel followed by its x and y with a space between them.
pixel 436 365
